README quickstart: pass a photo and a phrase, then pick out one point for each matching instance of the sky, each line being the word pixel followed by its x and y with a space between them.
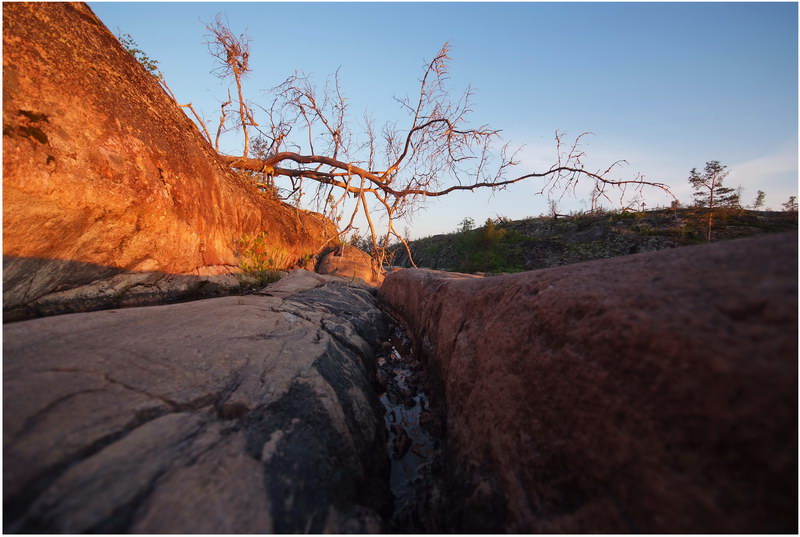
pixel 664 86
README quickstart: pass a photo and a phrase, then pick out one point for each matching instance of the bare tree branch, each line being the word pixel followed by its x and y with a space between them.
pixel 197 117
pixel 233 54
pixel 223 114
pixel 433 152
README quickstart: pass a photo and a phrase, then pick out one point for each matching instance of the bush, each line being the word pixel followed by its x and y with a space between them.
pixel 150 65
pixel 488 249
pixel 260 263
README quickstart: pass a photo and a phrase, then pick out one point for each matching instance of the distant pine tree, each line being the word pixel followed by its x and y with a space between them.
pixel 760 196
pixel 465 225
pixel 710 191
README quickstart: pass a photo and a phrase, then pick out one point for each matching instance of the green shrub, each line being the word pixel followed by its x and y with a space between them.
pixel 616 216
pixel 488 249
pixel 150 65
pixel 260 263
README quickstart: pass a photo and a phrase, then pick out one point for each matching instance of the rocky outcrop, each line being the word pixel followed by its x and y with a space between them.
pixel 652 393
pixel 249 414
pixel 110 193
pixel 350 262
pixel 544 242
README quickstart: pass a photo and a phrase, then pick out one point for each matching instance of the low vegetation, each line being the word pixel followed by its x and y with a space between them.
pixel 502 245
pixel 261 263
pixel 489 249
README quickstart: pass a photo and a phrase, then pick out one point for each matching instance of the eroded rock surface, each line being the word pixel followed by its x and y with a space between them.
pixel 110 193
pixel 654 393
pixel 349 262
pixel 249 414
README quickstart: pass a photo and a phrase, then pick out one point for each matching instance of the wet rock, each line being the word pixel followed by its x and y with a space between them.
pixel 350 262
pixel 432 423
pixel 425 418
pixel 111 196
pixel 249 414
pixel 413 449
pixel 653 393
pixel 421 452
pixel 401 442
pixel 393 397
pixel 381 377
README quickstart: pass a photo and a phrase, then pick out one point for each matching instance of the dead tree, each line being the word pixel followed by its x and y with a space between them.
pixel 434 152
pixel 233 55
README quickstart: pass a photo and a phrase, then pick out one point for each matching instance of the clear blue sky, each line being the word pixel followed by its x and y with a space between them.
pixel 666 86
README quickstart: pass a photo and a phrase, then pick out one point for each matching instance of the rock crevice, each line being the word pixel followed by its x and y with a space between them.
pixel 654 393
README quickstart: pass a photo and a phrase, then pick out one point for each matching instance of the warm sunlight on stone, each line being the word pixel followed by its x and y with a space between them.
pixel 214 323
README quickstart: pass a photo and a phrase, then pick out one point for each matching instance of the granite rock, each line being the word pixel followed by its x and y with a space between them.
pixel 350 262
pixel 653 393
pixel 110 193
pixel 249 414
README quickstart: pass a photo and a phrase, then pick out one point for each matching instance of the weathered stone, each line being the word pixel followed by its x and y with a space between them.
pixel 250 414
pixel 653 393
pixel 297 281
pixel 350 262
pixel 401 442
pixel 109 190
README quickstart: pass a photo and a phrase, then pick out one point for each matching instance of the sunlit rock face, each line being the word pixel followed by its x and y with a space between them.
pixel 349 262
pixel 103 174
pixel 654 393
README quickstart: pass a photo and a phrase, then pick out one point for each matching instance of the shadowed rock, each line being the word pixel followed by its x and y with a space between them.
pixel 651 393
pixel 246 414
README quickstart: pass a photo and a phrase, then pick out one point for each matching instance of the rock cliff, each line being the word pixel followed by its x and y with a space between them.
pixel 109 190
pixel 652 393
pixel 250 414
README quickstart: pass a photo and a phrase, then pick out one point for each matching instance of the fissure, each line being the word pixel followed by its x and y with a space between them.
pixel 415 435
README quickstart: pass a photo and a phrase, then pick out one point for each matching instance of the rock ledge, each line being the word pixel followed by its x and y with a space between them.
pixel 652 393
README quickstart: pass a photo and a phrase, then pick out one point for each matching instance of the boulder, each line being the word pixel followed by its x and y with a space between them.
pixel 350 262
pixel 652 393
pixel 250 414
pixel 297 281
pixel 110 193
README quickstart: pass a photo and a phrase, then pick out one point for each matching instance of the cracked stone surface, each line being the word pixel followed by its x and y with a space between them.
pixel 654 393
pixel 250 414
